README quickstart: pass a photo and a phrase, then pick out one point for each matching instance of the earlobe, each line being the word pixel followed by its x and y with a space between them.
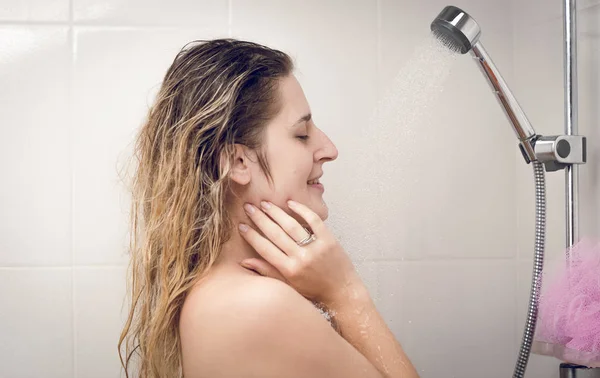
pixel 240 170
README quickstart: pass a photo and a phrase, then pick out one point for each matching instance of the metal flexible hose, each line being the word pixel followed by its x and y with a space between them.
pixel 538 264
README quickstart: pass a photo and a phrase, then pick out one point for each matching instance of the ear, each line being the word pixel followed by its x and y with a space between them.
pixel 240 171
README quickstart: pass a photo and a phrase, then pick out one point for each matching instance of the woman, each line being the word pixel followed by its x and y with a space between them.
pixel 228 278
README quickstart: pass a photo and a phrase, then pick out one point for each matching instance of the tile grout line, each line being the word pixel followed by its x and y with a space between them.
pixel 516 304
pixel 71 138
pixel 379 47
pixel 442 260
pixel 72 266
pixel 519 255
pixel 516 227
pixel 94 25
pixel 229 17
pixel 379 43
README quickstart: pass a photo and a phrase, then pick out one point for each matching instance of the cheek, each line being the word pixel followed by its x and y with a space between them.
pixel 291 179
pixel 298 184
pixel 290 170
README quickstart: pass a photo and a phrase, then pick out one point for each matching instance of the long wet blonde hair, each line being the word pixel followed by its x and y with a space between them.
pixel 217 93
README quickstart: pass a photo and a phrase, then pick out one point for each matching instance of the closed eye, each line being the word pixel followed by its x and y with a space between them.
pixel 303 137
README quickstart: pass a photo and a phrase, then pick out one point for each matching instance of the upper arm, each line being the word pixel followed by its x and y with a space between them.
pixel 269 330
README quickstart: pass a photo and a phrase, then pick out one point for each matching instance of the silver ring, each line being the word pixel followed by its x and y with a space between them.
pixel 307 240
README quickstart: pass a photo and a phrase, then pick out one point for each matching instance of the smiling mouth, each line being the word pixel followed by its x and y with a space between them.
pixel 315 184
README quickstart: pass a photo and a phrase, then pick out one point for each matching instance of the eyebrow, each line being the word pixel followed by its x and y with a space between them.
pixel 305 118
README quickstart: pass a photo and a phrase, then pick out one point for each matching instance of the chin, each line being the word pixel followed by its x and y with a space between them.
pixel 322 211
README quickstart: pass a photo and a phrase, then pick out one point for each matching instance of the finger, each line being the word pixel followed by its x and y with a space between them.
pixel 285 221
pixel 263 268
pixel 271 230
pixel 314 221
pixel 265 248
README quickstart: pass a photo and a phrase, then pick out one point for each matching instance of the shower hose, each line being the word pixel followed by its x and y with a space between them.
pixel 538 264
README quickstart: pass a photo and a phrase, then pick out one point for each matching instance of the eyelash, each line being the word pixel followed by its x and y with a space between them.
pixel 303 137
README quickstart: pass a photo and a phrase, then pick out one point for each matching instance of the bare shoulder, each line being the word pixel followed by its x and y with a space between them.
pixel 224 294
pixel 247 326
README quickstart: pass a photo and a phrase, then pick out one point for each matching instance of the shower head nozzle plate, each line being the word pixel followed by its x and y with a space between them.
pixel 456 29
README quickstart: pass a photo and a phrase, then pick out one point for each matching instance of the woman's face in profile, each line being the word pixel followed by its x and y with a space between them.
pixel 296 150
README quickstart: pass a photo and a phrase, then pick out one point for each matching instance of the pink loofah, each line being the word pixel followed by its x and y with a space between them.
pixel 568 325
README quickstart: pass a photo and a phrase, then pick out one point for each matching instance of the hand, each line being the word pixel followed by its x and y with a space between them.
pixel 320 271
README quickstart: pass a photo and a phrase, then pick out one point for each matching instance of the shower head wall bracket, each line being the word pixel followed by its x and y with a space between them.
pixel 559 151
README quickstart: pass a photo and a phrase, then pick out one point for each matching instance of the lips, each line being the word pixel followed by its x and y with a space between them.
pixel 317 186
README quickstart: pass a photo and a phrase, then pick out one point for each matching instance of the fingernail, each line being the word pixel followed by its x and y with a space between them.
pixel 291 203
pixel 249 208
pixel 265 205
pixel 243 227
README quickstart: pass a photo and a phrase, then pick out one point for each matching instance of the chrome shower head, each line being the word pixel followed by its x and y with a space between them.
pixel 456 29
pixel 459 32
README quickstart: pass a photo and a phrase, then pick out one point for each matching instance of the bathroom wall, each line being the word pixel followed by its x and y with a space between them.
pixel 78 75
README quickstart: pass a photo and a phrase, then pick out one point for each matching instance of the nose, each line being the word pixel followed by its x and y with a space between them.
pixel 327 151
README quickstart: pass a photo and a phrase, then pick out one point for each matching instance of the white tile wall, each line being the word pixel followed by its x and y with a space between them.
pixel 35 197
pixel 77 77
pixel 34 10
pixel 533 12
pixel 391 296
pixel 455 316
pixel 463 157
pixel 348 55
pixel 99 294
pixel 200 14
pixel 36 323
pixel 369 273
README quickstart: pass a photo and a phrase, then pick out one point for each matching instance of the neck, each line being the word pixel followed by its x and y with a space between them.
pixel 236 248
